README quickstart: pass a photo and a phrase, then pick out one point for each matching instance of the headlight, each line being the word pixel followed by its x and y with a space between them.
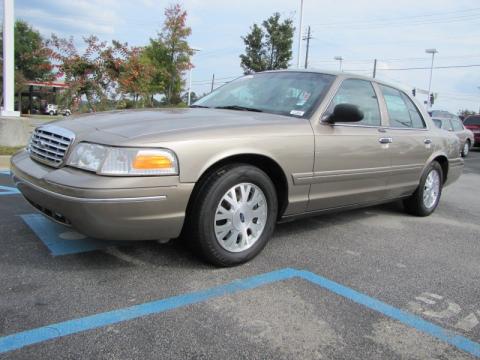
pixel 106 160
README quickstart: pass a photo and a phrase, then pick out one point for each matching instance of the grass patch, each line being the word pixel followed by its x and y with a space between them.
pixel 10 150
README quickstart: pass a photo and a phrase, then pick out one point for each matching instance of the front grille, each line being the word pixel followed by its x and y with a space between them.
pixel 49 144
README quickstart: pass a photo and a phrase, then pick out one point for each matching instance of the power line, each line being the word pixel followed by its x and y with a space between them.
pixel 435 67
pixel 416 18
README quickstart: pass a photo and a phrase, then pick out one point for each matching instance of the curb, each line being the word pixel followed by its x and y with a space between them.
pixel 5 162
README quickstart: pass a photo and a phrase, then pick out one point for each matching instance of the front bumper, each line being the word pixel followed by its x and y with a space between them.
pixel 111 208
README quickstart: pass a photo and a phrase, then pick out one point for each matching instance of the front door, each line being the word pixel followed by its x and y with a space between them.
pixel 352 163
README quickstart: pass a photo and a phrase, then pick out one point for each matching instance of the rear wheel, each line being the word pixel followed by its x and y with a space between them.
pixel 425 199
pixel 51 113
pixel 466 148
pixel 233 215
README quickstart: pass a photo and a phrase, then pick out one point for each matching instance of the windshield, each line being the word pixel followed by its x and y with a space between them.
pixel 472 120
pixel 285 93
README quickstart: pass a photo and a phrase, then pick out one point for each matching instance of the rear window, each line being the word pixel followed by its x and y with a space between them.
pixel 472 120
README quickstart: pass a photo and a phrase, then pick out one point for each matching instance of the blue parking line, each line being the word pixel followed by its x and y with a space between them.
pixel 34 336
pixel 7 190
pixel 49 233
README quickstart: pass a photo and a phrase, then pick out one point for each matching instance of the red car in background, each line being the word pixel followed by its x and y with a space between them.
pixel 472 122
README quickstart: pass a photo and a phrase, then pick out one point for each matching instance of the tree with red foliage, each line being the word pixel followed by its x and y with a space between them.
pixel 136 76
pixel 94 73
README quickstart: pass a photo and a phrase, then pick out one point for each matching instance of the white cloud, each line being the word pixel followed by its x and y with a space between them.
pixel 358 30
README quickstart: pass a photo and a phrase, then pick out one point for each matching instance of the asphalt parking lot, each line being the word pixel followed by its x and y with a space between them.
pixel 373 283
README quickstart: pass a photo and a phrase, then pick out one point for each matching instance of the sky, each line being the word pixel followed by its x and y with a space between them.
pixel 396 32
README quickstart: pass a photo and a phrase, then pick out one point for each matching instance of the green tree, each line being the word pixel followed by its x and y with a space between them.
pixel 32 61
pixel 174 38
pixel 31 54
pixel 156 54
pixel 463 113
pixel 269 48
pixel 254 58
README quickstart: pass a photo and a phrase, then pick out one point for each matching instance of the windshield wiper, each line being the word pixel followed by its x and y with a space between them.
pixel 199 106
pixel 238 107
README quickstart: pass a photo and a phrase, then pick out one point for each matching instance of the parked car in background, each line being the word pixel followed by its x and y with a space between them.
pixel 267 147
pixel 472 123
pixel 442 114
pixel 65 112
pixel 51 109
pixel 455 125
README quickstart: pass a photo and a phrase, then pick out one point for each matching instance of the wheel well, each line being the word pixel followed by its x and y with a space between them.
pixel 269 166
pixel 443 161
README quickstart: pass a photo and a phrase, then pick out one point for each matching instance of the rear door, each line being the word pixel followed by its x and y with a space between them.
pixel 411 144
pixel 351 165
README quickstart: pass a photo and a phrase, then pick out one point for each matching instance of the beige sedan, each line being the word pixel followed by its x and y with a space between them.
pixel 268 147
pixel 455 125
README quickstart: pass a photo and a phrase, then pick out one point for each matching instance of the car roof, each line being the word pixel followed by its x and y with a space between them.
pixel 337 73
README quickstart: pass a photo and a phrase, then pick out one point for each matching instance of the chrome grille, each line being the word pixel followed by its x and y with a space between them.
pixel 49 144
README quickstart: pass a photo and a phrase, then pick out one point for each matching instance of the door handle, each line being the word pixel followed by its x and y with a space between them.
pixel 385 140
pixel 427 141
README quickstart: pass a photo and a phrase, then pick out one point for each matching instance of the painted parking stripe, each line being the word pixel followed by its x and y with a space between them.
pixel 7 190
pixel 62 240
pixel 34 336
pixel 4 172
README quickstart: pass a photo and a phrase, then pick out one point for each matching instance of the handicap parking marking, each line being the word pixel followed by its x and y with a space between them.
pixel 8 190
pixel 69 327
pixel 62 240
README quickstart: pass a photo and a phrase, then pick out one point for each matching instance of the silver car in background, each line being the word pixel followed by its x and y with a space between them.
pixel 267 147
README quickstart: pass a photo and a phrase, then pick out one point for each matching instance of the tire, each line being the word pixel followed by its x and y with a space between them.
pixel 209 233
pixel 51 113
pixel 466 148
pixel 419 203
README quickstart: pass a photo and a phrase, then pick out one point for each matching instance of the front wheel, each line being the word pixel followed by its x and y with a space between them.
pixel 425 199
pixel 466 148
pixel 234 214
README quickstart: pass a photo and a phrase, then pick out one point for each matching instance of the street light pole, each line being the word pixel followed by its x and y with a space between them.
pixel 190 78
pixel 340 59
pixel 8 60
pixel 299 49
pixel 478 87
pixel 433 52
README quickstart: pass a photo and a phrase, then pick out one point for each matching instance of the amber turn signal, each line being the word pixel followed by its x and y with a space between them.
pixel 146 162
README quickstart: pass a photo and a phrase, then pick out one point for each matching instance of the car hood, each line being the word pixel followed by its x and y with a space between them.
pixel 133 124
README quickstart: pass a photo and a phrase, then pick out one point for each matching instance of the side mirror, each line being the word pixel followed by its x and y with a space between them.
pixel 345 113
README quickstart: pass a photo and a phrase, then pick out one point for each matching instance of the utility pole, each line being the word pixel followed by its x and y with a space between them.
pixel 308 37
pixel 213 82
pixel 374 68
pixel 429 99
pixel 194 50
pixel 299 50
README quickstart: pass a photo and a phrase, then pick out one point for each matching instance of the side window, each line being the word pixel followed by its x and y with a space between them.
pixel 360 93
pixel 415 116
pixel 457 125
pixel 446 125
pixel 398 111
